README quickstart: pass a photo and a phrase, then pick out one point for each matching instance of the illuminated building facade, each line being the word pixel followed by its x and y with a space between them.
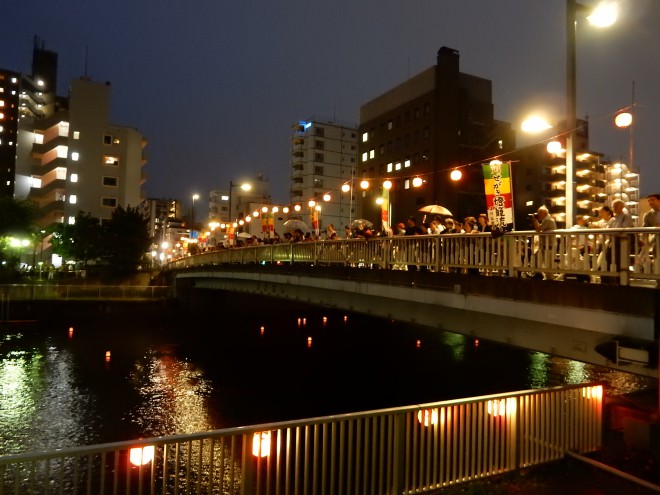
pixel 323 158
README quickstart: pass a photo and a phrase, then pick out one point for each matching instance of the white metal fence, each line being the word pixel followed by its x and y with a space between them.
pixel 393 451
pixel 618 254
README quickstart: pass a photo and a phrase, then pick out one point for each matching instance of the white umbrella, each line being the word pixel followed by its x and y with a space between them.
pixel 436 210
pixel 294 224
pixel 244 235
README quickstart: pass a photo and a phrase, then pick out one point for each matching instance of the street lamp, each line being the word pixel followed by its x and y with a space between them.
pixel 192 216
pixel 245 187
pixel 604 15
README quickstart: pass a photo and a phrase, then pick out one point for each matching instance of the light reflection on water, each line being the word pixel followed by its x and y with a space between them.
pixel 57 391
pixel 40 403
pixel 173 393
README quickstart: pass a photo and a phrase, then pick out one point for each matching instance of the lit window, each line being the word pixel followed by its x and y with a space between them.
pixel 406 184
pixel 74 178
pixel 115 140
pixel 111 160
pixel 35 182
pixel 38 138
pixel 224 197
pixel 73 199
pixel 1 128
pixel 14 80
pixel 72 220
pixel 372 154
pixel 76 134
pixel 2 115
pixel 397 166
pixel 406 163
pixel 63 129
pixel 75 155
pixel 390 124
pixel 2 103
pixel 389 167
pixel 365 137
pixel 364 155
pixel 60 173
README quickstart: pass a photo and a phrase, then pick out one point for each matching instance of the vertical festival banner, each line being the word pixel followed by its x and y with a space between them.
pixel 499 200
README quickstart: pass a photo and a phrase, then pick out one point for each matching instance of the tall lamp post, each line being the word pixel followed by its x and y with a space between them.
pixel 245 186
pixel 604 15
pixel 192 216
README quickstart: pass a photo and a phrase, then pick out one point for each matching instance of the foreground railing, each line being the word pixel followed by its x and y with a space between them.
pixel 616 254
pixel 17 292
pixel 392 451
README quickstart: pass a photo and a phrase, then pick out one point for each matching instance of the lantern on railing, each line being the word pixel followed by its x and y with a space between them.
pixel 139 456
pixel 261 444
pixel 427 417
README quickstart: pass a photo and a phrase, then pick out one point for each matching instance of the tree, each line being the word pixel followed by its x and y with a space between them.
pixel 127 240
pixel 17 224
pixel 84 240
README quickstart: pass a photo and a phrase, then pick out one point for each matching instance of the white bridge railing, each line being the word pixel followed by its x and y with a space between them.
pixel 618 254
pixel 392 451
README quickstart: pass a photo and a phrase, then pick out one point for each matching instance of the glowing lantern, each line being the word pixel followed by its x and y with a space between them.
pixel 325 320
pixel 476 342
pixel 364 184
pixel 554 147
pixel 345 319
pixel 297 207
pixel 139 456
pixel 70 332
pixel 595 392
pixel 327 197
pixel 387 184
pixel 345 188
pixel 304 321
pixel 419 344
pixel 285 209
pixel 456 175
pixel 261 444
pixel 107 356
pixel 427 417
pixel 417 181
pixel 262 329
pixel 309 342
pixel 299 321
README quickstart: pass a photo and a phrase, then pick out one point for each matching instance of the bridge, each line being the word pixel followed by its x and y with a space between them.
pixel 588 295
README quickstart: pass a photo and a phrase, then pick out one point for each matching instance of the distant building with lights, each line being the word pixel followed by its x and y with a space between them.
pixel 63 153
pixel 438 120
pixel 323 158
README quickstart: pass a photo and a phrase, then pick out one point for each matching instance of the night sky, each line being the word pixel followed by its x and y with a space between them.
pixel 215 85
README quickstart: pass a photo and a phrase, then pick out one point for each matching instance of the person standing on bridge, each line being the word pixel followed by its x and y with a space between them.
pixel 652 217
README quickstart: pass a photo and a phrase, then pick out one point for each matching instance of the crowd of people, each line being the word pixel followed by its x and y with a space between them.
pixel 614 216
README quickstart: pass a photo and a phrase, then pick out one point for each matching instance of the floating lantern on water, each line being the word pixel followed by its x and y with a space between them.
pixel 309 342
pixel 107 356
pixel 419 344
pixel 325 320
pixel 476 342
pixel 70 332
pixel 261 444
pixel 139 456
pixel 262 330
pixel 345 319
pixel 299 321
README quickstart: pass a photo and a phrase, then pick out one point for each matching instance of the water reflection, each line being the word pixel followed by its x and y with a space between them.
pixel 41 405
pixel 173 394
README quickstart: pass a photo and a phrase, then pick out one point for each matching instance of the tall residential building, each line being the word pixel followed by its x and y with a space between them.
pixel 67 156
pixel 323 159
pixel 438 120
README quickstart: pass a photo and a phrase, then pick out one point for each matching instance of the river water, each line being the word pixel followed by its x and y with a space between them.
pixel 249 360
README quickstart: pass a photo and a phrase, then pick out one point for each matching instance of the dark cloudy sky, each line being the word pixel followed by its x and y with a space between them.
pixel 215 85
